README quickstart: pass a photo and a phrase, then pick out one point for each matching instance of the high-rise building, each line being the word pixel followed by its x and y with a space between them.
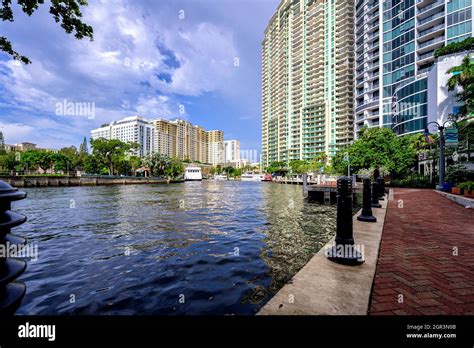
pixel 395 43
pixel 181 139
pixel 216 147
pixel 133 129
pixel 174 138
pixel 307 80
pixel 231 151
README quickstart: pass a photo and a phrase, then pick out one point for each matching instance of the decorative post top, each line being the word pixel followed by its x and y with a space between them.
pixel 10 193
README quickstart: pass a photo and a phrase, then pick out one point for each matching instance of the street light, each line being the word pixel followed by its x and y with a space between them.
pixel 348 160
pixel 441 164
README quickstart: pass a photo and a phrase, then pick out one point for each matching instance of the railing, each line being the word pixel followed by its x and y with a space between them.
pixel 430 30
pixel 35 173
pixel 430 18
pixel 430 6
pixel 425 55
pixel 431 42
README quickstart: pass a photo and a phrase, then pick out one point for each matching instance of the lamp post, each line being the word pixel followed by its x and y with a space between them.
pixel 441 164
pixel 348 160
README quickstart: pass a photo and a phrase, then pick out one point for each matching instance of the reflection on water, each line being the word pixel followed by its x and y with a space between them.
pixel 211 247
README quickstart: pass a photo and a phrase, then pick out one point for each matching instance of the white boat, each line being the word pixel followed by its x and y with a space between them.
pixel 193 174
pixel 220 177
pixel 249 176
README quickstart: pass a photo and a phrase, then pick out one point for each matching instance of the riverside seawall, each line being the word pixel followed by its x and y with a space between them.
pixel 57 181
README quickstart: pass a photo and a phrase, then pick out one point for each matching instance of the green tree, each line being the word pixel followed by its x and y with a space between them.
pixel 61 162
pixel 380 147
pixel 319 161
pixel 229 170
pixel 463 76
pixel 158 163
pixel 8 161
pixel 110 153
pixel 92 165
pixel 278 166
pixel 33 159
pixel 83 147
pixel 175 168
pixel 299 166
pixel 66 12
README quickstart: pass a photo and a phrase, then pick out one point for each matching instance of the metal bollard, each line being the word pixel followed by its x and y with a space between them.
pixel 366 214
pixel 344 251
pixel 381 188
pixel 375 196
pixel 11 292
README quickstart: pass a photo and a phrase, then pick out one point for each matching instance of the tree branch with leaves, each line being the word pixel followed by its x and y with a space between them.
pixel 66 12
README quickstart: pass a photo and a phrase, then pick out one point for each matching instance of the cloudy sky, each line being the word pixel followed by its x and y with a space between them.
pixel 194 59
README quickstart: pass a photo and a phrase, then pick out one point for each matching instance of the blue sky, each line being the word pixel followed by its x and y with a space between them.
pixel 146 59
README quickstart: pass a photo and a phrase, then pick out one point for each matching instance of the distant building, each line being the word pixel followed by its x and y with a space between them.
pixel 174 138
pixel 216 147
pixel 231 151
pixel 181 139
pixel 26 146
pixel 133 129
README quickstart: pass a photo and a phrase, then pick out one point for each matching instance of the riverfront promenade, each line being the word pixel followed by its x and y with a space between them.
pixel 426 255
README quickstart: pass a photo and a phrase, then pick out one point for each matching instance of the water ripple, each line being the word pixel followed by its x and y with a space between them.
pixel 193 248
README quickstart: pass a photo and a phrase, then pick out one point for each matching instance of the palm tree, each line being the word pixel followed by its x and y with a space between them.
pixel 463 77
pixel 157 163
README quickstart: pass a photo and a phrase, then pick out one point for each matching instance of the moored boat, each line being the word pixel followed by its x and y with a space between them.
pixel 193 174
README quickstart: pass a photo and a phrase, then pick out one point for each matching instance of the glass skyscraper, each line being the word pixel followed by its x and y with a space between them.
pixel 395 43
pixel 307 80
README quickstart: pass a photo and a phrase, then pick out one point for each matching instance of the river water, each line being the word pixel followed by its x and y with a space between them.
pixel 211 247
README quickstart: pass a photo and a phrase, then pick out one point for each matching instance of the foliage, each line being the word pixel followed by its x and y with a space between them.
pixel 380 147
pixel 83 147
pixel 463 76
pixel 299 166
pixel 111 153
pixel 277 167
pixel 66 12
pixel 92 165
pixel 454 47
pixel 467 186
pixel 175 168
pixel 8 161
pixel 319 161
pixel 456 173
pixel 413 181
pixel 157 163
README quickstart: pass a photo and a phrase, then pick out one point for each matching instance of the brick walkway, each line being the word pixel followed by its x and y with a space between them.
pixel 416 257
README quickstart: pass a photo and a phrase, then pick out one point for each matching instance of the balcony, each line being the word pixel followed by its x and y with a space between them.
pixel 426 55
pixel 439 27
pixel 424 70
pixel 431 18
pixel 431 42
pixel 430 6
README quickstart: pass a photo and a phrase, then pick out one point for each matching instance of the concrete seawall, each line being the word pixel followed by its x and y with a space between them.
pixel 326 288
pixel 52 181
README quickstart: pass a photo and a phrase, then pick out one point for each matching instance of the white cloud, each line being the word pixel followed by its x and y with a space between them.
pixel 15 132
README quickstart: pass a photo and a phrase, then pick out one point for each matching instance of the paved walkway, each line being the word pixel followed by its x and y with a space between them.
pixel 418 271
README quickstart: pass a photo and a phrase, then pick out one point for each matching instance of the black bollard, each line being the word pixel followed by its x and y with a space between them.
pixel 375 196
pixel 381 188
pixel 366 214
pixel 344 251
pixel 11 292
